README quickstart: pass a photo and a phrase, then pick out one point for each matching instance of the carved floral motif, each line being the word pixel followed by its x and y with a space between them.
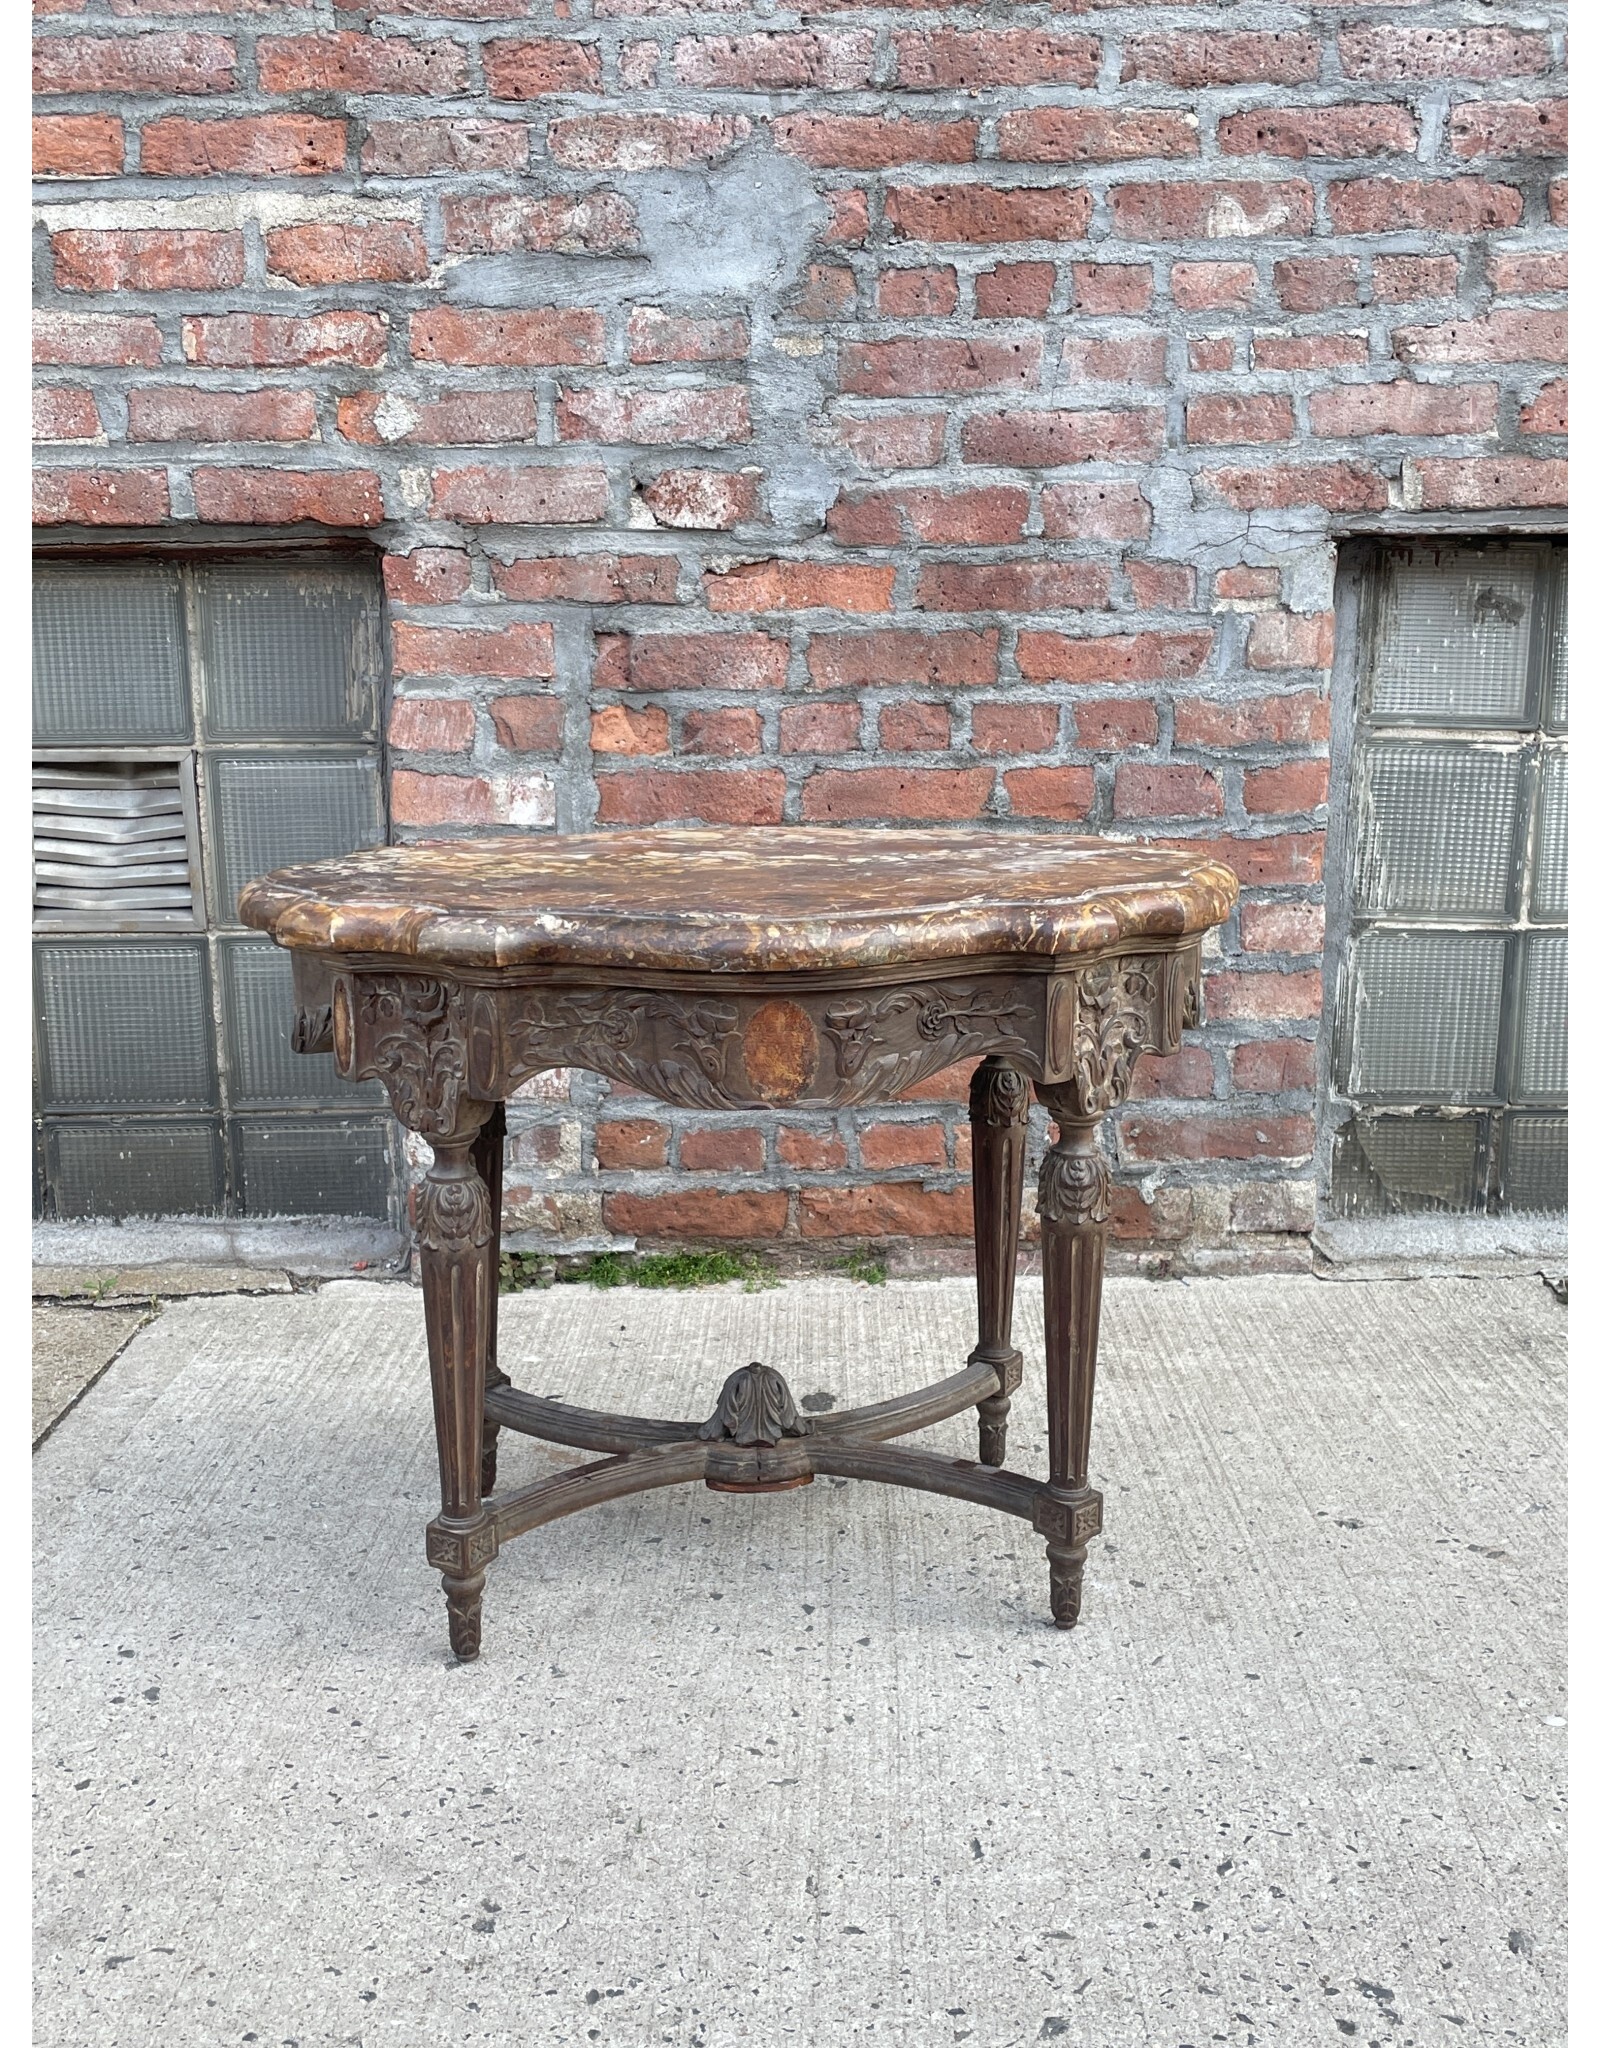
pixel 1074 1187
pixel 676 1050
pixel 754 1407
pixel 882 1044
pixel 416 1046
pixel 998 1096
pixel 1116 1020
pixel 453 1213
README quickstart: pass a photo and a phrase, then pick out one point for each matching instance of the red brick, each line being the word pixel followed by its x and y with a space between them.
pixel 1013 587
pixel 732 730
pixel 869 142
pixel 350 63
pixel 1046 439
pixel 838 61
pixel 720 1150
pixel 1558 202
pixel 589 579
pixel 1014 728
pixel 146 260
pixel 281 497
pixel 77 146
pixel 950 1084
pixel 528 725
pixel 1138 358
pixel 913 728
pixel 1300 719
pixel 1291 787
pixel 1159 790
pixel 1064 793
pixel 711 416
pixel 620 729
pixel 1132 1217
pixel 829 290
pixel 1401 407
pixel 99 497
pixel 418 149
pixel 1308 351
pixel 161 63
pixel 63 413
pixel 1490 481
pixel 1223 418
pixel 979 518
pixel 1291 640
pixel 986 213
pixel 1161 586
pixel 1095 511
pixel 1207 287
pixel 710 796
pixel 1211 352
pixel 886 1146
pixel 848 220
pixel 1457 206
pixel 1547 413
pixel 813 1151
pixel 1282 927
pixel 898 440
pixel 1272 860
pixel 527 70
pixel 1112 287
pixel 1509 128
pixel 1106 724
pixel 820 728
pixel 702 661
pixel 698 1213
pixel 925 292
pixel 378 252
pixel 95 340
pixel 896 1208
pixel 460 419
pixel 1299 132
pixel 930 795
pixel 923 366
pixel 903 656
pixel 1311 284
pixel 277 341
pixel 562 223
pixel 1244 584
pixel 1528 270
pixel 786 586
pixel 1253 997
pixel 158 412
pixel 516 650
pixel 1184 1076
pixel 630 1143
pixel 657 336
pixel 937 59
pixel 520 497
pixel 1383 53
pixel 440 799
pixel 1113 657
pixel 1510 334
pixel 1194 58
pixel 1336 486
pixel 1214 209
pixel 707 499
pixel 427 576
pixel 511 337
pixel 644 142
pixel 255 146
pixel 432 725
pixel 1272 1066
pixel 1400 278
pixel 1215 1137
pixel 1106 135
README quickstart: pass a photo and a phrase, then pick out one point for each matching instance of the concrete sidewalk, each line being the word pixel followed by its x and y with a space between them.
pixel 813 1767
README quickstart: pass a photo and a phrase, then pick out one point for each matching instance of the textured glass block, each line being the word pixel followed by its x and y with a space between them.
pixel 270 810
pixel 1533 1164
pixel 258 1006
pixel 289 651
pixel 124 1024
pixel 108 655
pixel 1407 1165
pixel 133 1166
pixel 1555 711
pixel 1436 828
pixel 1549 896
pixel 313 1165
pixel 110 842
pixel 1421 1015
pixel 1454 635
pixel 1539 1071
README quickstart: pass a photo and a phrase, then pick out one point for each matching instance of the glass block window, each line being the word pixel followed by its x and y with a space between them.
pixel 195 723
pixel 1449 1073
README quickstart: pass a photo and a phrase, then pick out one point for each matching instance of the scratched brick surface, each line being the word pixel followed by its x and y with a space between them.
pixel 870 413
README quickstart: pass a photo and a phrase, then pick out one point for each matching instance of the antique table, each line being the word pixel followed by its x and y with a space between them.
pixel 779 968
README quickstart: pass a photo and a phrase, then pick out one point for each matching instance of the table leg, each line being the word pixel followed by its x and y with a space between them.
pixel 1074 1209
pixel 488 1156
pixel 460 1277
pixel 998 1106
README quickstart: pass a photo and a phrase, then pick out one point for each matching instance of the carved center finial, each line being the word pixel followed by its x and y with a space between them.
pixel 755 1407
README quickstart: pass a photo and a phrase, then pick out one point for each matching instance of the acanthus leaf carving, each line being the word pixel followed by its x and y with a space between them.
pixel 883 1044
pixel 754 1407
pixel 621 1034
pixel 998 1095
pixel 416 1046
pixel 1115 1022
pixel 454 1213
pixel 1074 1187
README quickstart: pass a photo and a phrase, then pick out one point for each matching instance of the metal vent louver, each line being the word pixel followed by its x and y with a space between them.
pixel 110 840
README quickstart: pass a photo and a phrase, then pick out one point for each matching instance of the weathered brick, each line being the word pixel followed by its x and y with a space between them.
pixel 885 1146
pixel 77 146
pixel 1402 407
pixel 1510 334
pixel 440 799
pixel 1311 284
pixel 1113 657
pixel 1136 358
pixel 1195 58
pixel 708 796
pixel 1263 995
pixel 1282 927
pixel 826 728
pixel 1014 728
pixel 99 497
pixel 910 727
pixel 283 497
pixel 427 576
pixel 278 341
pixel 520 497
pixel 988 213
pixel 165 412
pixel 146 260
pixel 1013 587
pixel 1457 206
pixel 1211 352
pixel 1308 351
pixel 1211 210
pixel 1300 719
pixel 1212 287
pixel 1166 790
pixel 720 1149
pixel 1184 1076
pixel 1489 481
pixel 1396 279
pixel 1215 1136
pixel 1336 486
pixel 925 291
pixel 871 142
pixel 644 142
pixel 628 729
pixel 785 586
pixel 1509 128
pixel 703 661
pixel 1342 131
pixel 1557 202
pixel 658 336
pixel 163 62
pixel 1271 859
pixel 589 579
pixel 900 656
pixel 431 725
pixel 838 60
pixel 459 419
pixel 1274 1066
pixel 516 650
pixel 731 730
pixel 710 417
pixel 1043 440
pixel 896 1208
pixel 1290 787
pixel 561 223
pixel 494 336
pixel 1383 53
pixel 692 1213
pixel 1095 511
pixel 828 290
pixel 1064 793
pixel 938 59
pixel 1109 724
pixel 516 69
pixel 918 795
pixel 1290 640
pixel 623 1144
pixel 710 499
pixel 915 366
pixel 901 440
pixel 254 146
pixel 1112 287
pixel 1528 270
pixel 95 340
pixel 1547 413
pixel 419 149
pixel 810 1151
pixel 376 252
pixel 61 412
pixel 1085 135
pixel 351 63
pixel 1223 417
pixel 1166 586
pixel 979 518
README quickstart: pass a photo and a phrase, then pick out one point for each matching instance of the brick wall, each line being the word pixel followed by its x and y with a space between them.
pixel 838 413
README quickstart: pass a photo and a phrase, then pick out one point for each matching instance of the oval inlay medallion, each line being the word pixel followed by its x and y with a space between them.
pixel 780 1051
pixel 343 1037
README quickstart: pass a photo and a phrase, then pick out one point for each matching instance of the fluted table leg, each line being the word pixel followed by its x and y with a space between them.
pixel 488 1156
pixel 998 1104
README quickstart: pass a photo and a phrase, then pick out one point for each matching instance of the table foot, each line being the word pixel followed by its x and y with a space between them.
pixel 463 1599
pixel 1066 1582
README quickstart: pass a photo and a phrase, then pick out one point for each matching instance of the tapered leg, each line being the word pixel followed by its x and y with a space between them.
pixel 488 1156
pixel 1074 1209
pixel 460 1276
pixel 998 1103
